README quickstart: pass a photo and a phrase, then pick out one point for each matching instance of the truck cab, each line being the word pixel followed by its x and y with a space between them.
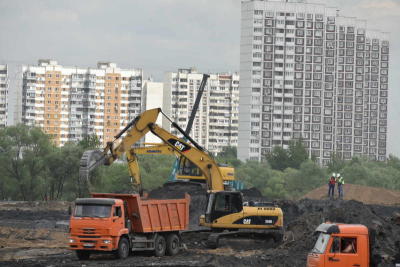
pixel 97 224
pixel 340 245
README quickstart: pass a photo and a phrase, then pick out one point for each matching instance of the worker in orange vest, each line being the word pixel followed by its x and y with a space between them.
pixel 331 186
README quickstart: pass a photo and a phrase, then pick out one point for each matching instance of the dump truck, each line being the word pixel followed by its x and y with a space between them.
pixel 123 223
pixel 341 245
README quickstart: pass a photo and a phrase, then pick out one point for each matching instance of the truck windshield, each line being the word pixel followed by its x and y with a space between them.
pixel 321 243
pixel 90 210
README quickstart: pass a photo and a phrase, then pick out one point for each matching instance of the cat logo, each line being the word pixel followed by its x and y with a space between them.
pixel 180 146
pixel 246 221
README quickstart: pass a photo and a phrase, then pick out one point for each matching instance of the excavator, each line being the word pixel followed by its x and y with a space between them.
pixel 186 171
pixel 225 212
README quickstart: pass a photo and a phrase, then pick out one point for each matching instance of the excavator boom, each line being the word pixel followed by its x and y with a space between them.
pixel 195 154
pixel 135 130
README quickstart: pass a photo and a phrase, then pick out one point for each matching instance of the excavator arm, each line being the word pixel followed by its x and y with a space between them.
pixel 195 154
pixel 135 130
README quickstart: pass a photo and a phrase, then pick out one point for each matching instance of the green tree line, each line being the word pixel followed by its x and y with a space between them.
pixel 33 168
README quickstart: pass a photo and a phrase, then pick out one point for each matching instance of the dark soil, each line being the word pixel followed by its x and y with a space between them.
pixel 300 219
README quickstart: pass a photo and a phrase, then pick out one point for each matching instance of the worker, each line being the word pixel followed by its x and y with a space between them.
pixel 340 183
pixel 331 185
pixel 349 247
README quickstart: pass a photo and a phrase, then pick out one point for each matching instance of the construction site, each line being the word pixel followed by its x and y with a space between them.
pixel 197 219
pixel 35 233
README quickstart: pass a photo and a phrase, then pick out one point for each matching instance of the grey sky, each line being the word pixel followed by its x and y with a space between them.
pixel 161 35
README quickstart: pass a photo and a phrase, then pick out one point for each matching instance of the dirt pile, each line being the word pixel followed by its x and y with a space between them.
pixel 365 194
pixel 303 217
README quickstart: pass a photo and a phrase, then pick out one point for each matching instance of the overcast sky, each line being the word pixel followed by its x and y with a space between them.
pixel 162 35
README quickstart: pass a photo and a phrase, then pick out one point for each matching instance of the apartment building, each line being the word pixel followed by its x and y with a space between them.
pixel 216 122
pixel 4 81
pixel 69 103
pixel 309 74
pixel 153 98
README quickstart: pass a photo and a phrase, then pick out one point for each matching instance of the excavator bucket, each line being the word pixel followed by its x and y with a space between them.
pixel 89 161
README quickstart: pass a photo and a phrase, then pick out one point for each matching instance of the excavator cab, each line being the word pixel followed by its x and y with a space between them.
pixel 221 204
pixel 187 170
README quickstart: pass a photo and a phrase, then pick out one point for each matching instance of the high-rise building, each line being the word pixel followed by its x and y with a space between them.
pixel 3 95
pixel 216 122
pixel 309 74
pixel 153 98
pixel 69 102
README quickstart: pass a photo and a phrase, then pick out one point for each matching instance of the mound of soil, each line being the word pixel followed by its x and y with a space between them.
pixel 365 194
pixel 301 219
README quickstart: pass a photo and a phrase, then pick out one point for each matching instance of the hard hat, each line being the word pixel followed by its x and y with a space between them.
pixel 338 175
pixel 334 174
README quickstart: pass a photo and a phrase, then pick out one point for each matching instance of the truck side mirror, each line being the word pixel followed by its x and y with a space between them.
pixel 69 210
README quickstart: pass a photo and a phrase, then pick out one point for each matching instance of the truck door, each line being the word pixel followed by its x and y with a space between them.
pixel 117 220
pixel 344 252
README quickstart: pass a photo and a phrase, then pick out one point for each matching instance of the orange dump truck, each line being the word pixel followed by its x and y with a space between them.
pixel 122 223
pixel 341 245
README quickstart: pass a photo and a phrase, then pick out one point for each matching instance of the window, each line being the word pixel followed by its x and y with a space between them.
pixel 117 212
pixel 344 245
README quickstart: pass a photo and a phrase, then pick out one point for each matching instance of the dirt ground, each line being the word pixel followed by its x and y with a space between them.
pixel 365 194
pixel 35 234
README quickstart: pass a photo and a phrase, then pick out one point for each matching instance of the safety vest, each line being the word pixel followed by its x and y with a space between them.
pixel 340 180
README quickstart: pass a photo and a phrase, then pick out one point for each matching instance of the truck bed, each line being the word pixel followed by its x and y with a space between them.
pixel 154 215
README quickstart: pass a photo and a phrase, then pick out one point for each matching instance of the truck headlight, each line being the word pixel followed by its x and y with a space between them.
pixel 107 241
pixel 71 241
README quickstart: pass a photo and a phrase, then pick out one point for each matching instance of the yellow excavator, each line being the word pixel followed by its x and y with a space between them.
pixel 225 213
pixel 187 171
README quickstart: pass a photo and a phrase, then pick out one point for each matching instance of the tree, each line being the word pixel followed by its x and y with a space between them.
pixel 308 177
pixel 228 155
pixel 254 174
pixel 278 159
pixel 297 153
pixel 89 142
pixel 336 164
pixel 228 152
pixel 276 187
pixel 62 170
pixel 23 159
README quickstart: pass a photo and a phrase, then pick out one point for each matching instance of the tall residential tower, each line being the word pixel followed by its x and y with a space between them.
pixel 70 102
pixel 3 95
pixel 309 74
pixel 216 122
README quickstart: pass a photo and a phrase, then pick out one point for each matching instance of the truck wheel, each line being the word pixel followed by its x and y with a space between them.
pixel 123 248
pixel 83 254
pixel 159 246
pixel 173 244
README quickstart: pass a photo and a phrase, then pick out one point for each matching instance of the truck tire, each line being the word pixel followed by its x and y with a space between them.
pixel 173 244
pixel 123 248
pixel 83 254
pixel 160 246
